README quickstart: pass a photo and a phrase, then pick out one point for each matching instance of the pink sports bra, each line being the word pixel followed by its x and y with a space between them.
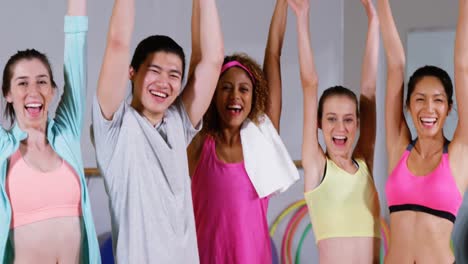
pixel 36 196
pixel 435 193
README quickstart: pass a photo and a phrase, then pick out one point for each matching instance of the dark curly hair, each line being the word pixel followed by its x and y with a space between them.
pixel 211 123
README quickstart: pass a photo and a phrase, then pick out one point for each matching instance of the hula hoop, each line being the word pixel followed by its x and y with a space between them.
pixel 283 214
pixel 286 235
pixel 301 241
pixel 385 232
pixel 382 254
pixel 290 236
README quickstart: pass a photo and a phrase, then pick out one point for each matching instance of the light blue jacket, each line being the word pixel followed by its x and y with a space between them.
pixel 63 134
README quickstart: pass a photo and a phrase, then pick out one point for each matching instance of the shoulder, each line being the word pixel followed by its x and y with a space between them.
pixel 195 150
pixel 199 141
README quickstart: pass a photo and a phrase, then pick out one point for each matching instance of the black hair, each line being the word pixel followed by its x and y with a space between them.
pixel 433 71
pixel 154 44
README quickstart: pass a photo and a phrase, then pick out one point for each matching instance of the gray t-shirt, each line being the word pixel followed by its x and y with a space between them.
pixel 147 180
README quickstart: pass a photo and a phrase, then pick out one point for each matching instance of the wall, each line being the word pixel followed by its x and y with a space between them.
pixel 409 16
pixel 39 24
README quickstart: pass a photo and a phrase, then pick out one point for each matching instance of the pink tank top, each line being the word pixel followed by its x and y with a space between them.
pixel 36 196
pixel 435 193
pixel 231 219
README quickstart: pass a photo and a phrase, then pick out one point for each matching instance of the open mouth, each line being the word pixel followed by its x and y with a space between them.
pixel 339 140
pixel 234 108
pixel 428 121
pixel 159 94
pixel 33 108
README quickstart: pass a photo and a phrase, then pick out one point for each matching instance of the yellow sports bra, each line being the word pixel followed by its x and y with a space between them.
pixel 344 204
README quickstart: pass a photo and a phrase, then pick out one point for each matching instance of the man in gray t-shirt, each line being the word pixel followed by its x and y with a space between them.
pixel 147 183
pixel 141 146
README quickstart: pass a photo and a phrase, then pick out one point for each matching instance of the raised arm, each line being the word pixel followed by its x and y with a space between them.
pixel 76 8
pixel 313 158
pixel 397 132
pixel 114 74
pixel 195 146
pixel 271 63
pixel 195 57
pixel 366 143
pixel 206 62
pixel 461 73
pixel 70 111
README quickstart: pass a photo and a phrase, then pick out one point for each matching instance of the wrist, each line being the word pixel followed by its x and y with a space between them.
pixel 303 16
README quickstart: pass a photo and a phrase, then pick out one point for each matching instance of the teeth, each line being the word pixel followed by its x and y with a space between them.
pixel 33 105
pixel 163 95
pixel 236 107
pixel 339 137
pixel 428 120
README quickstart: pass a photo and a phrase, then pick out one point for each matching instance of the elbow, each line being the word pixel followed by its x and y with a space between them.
pixel 396 67
pixel 116 40
pixel 396 62
pixel 116 44
pixel 215 58
pixel 310 81
pixel 394 58
pixel 461 64
pixel 314 82
pixel 219 56
pixel 273 54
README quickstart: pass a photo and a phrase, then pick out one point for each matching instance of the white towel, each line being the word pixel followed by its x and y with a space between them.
pixel 266 159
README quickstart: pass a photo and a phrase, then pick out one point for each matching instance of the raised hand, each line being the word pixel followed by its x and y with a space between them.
pixel 370 8
pixel 300 7
pixel 272 63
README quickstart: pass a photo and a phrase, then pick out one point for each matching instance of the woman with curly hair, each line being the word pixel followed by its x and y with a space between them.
pixel 239 63
pixel 230 194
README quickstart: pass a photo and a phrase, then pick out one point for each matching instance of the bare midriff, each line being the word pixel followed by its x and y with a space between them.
pixel 350 250
pixel 417 237
pixel 55 240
